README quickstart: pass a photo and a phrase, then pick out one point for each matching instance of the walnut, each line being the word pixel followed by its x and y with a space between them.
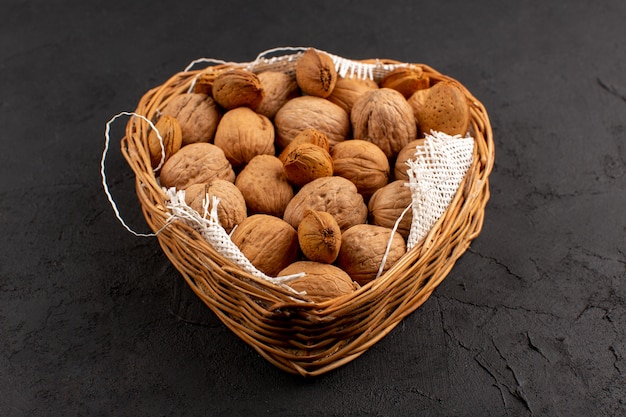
pixel 315 73
pixel 268 242
pixel 348 90
pixel 307 162
pixel 387 205
pixel 319 236
pixel 279 88
pixel 312 112
pixel 321 282
pixel 237 87
pixel 197 114
pixel 171 140
pixel 442 107
pixel 384 118
pixel 363 247
pixel 335 195
pixel 231 208
pixel 363 163
pixel 264 185
pixel 407 153
pixel 196 163
pixel 406 80
pixel 243 134
pixel 306 136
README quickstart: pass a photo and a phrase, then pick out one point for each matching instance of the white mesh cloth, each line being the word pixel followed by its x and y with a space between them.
pixel 434 178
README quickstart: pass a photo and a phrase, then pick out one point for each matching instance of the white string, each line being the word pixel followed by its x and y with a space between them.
pixel 284 48
pixel 107 140
pixel 393 231
pixel 209 60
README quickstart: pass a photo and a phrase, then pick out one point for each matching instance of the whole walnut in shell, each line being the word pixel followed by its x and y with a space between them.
pixel 385 118
pixel 442 107
pixel 312 112
pixel 264 185
pixel 315 73
pixel 406 80
pixel 243 134
pixel 306 136
pixel 197 114
pixel 307 162
pixel 363 163
pixel 348 90
pixel 407 153
pixel 231 207
pixel 362 250
pixel 196 163
pixel 279 87
pixel 237 87
pixel 321 282
pixel 171 140
pixel 268 242
pixel 319 236
pixel 387 205
pixel 335 195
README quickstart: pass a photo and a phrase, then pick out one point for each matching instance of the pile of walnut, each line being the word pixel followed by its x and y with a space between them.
pixel 309 168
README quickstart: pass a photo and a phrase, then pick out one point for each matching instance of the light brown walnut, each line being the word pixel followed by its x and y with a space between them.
pixel 442 107
pixel 363 163
pixel 197 163
pixel 231 207
pixel 407 153
pixel 321 282
pixel 197 114
pixel 387 205
pixel 278 87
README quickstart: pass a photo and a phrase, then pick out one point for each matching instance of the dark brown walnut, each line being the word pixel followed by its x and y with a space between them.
pixel 311 112
pixel 231 207
pixel 243 134
pixel 197 114
pixel 407 153
pixel 268 242
pixel 384 118
pixel 278 88
pixel 348 90
pixel 335 195
pixel 197 163
pixel 387 205
pixel 319 236
pixel 321 282
pixel 307 162
pixel 306 136
pixel 406 80
pixel 362 250
pixel 171 140
pixel 363 163
pixel 264 186
pixel 315 73
pixel 237 88
pixel 442 107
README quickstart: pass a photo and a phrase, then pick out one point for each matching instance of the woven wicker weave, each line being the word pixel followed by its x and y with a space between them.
pixel 304 337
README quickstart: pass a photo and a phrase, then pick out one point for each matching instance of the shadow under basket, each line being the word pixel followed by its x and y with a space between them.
pixel 300 337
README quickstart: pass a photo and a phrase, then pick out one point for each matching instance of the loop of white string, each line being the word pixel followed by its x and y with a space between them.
pixel 107 140
pixel 393 232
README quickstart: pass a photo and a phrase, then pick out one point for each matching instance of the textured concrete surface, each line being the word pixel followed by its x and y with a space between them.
pixel 531 321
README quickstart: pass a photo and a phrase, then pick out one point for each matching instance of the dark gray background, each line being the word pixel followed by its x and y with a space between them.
pixel 531 321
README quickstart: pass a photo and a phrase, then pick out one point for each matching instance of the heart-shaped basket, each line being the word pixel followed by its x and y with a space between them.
pixel 296 335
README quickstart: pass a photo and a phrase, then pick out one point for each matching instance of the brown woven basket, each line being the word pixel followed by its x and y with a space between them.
pixel 302 337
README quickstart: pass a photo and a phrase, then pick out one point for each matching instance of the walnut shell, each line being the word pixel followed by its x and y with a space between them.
pixel 384 118
pixel 307 162
pixel 319 236
pixel 442 107
pixel 237 88
pixel 408 152
pixel 196 163
pixel 363 163
pixel 312 112
pixel 268 242
pixel 306 136
pixel 335 195
pixel 171 140
pixel 315 73
pixel 203 83
pixel 348 90
pixel 322 282
pixel 387 205
pixel 243 134
pixel 278 88
pixel 406 80
pixel 197 114
pixel 362 250
pixel 231 208
pixel 264 185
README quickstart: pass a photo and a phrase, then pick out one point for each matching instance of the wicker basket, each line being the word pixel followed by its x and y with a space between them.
pixel 309 338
